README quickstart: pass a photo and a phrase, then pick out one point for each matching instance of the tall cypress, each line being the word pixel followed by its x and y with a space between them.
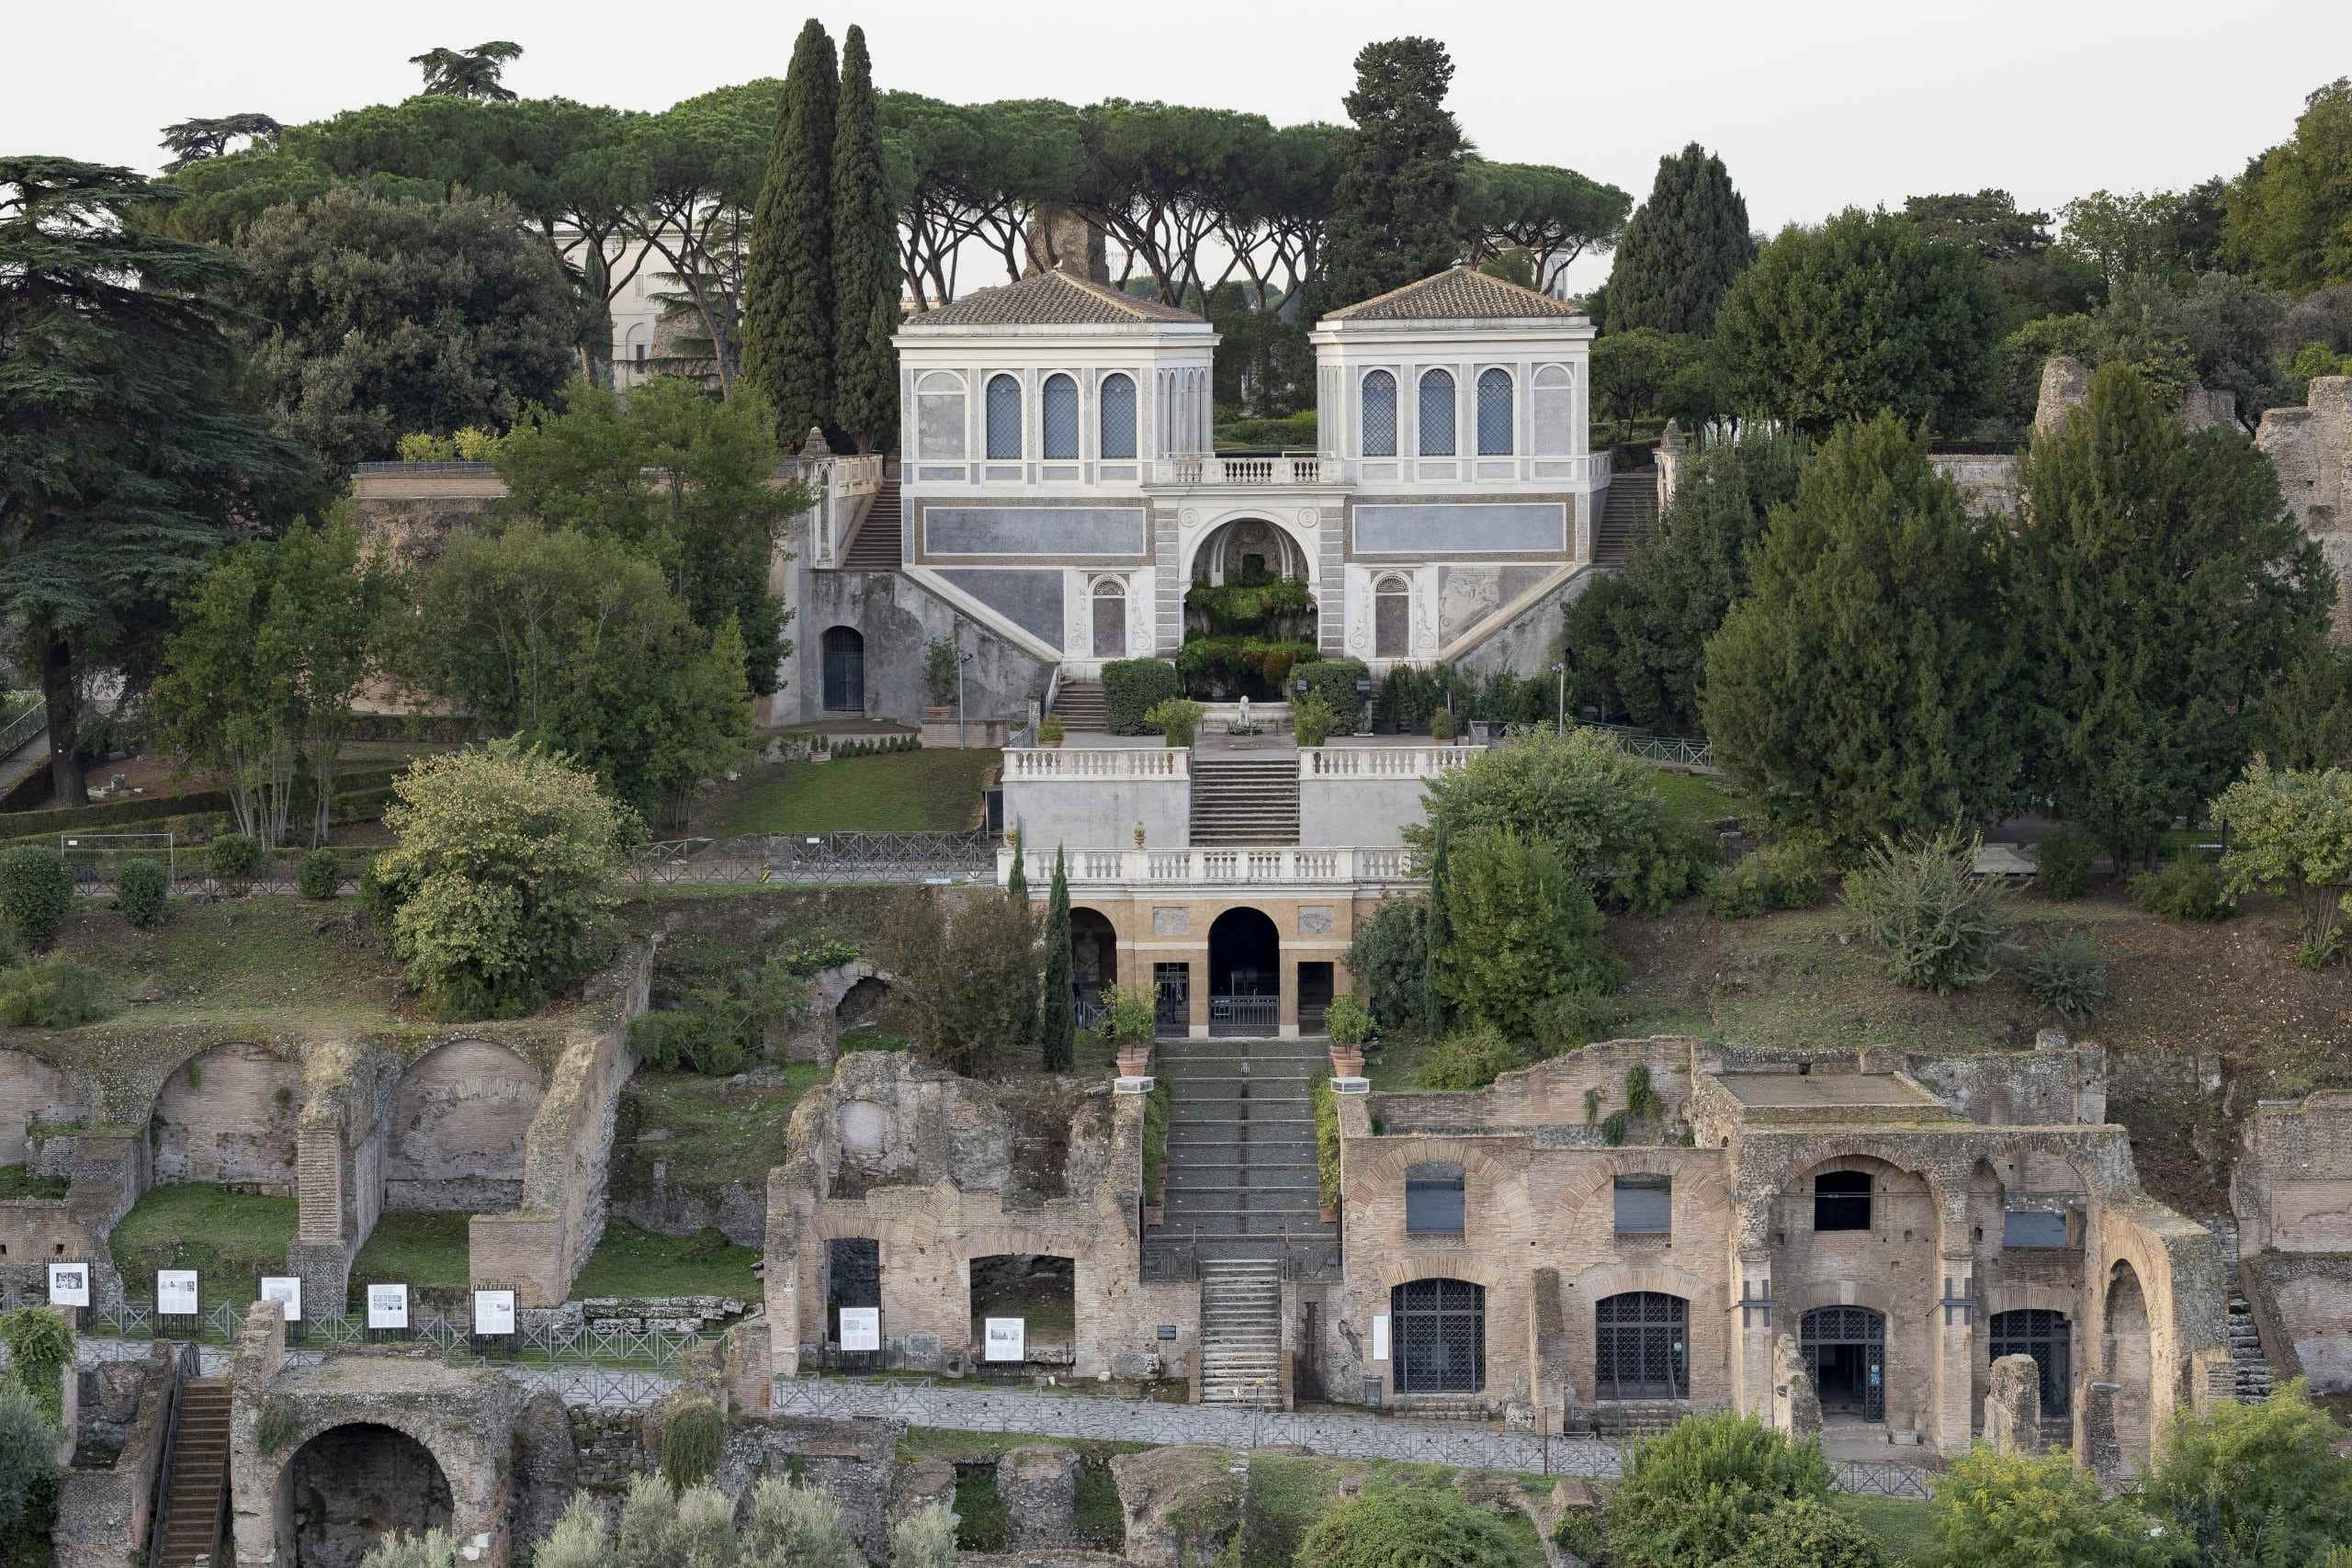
pixel 1393 218
pixel 788 281
pixel 1681 248
pixel 1016 893
pixel 1057 1033
pixel 1437 930
pixel 865 263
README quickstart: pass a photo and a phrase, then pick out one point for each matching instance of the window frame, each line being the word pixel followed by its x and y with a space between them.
pixel 989 421
pixel 1431 1178
pixel 1363 414
pixel 1641 1181
pixel 959 390
pixel 1510 448
pixel 1846 1202
pixel 1103 423
pixel 1392 585
pixel 1421 423
pixel 1045 448
pixel 1539 393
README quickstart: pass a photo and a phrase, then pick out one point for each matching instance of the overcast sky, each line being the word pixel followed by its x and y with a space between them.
pixel 1812 104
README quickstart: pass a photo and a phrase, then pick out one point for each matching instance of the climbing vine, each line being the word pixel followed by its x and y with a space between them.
pixel 41 1347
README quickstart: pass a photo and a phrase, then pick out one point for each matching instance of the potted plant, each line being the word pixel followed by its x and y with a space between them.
pixel 1178 718
pixel 1441 726
pixel 1130 1013
pixel 1049 732
pixel 1350 1026
pixel 939 667
pixel 1138 835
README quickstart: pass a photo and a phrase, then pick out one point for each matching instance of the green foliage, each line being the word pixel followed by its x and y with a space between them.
pixel 1400 174
pixel 1861 317
pixel 789 334
pixel 1642 1099
pixel 2292 831
pixel 963 978
pixel 1522 930
pixel 2290 220
pixel 940 670
pixel 693 1435
pixel 1471 1059
pixel 789 1525
pixel 1240 665
pixel 1645 374
pixel 1293 432
pixel 277 1425
pixel 470 445
pixel 1313 720
pixel 1057 1011
pixel 2161 588
pixel 1806 1532
pixel 1156 1107
pixel 2061 863
pixel 2255 1483
pixel 2068 972
pixel 1695 1494
pixel 1253 603
pixel 502 876
pixel 29 1476
pixel 233 859
pixel 1334 682
pixel 2037 277
pixel 1935 922
pixel 1049 730
pixel 36 891
pixel 317 874
pixel 1128 1013
pixel 1997 1510
pixel 1793 873
pixel 1863 689
pixel 141 888
pixel 1441 725
pixel 41 1347
pixel 1131 687
pixel 1325 1104
pixel 51 993
pixel 1680 250
pixel 1178 718
pixel 2307 714
pixel 1384 1527
pixel 924 1539
pixel 1346 1020
pixel 1389 959
pixel 1588 799
pixel 430 1549
pixel 866 261
pixel 2189 888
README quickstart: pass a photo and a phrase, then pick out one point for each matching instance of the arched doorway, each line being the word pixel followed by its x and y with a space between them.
pixel 844 659
pixel 1245 974
pixel 1439 1330
pixel 350 1486
pixel 1247 549
pixel 1845 1351
pixel 2125 1354
pixel 2047 1337
pixel 1642 1340
pixel 1093 957
pixel 1038 1289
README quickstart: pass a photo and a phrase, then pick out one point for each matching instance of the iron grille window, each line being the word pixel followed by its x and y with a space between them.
pixel 1392 617
pixel 1004 417
pixel 1061 418
pixel 1645 1205
pixel 2048 1337
pixel 1494 413
pixel 1841 1201
pixel 1434 1200
pixel 1118 414
pixel 1380 414
pixel 2033 1228
pixel 1437 414
pixel 1642 1340
pixel 1439 1327
pixel 1851 1343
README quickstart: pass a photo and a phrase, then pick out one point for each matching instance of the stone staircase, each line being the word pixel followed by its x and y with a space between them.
pixel 1617 1420
pixel 2254 1376
pixel 1079 704
pixel 1245 801
pixel 1241 1332
pixel 1626 518
pixel 1241 1138
pixel 875 545
pixel 200 1474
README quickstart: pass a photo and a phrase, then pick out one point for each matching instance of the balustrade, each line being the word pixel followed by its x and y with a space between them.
pixel 1241 865
pixel 1291 469
pixel 1382 761
pixel 1038 763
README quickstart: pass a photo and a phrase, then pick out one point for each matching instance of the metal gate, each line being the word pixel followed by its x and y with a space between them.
pixel 853 1278
pixel 1245 1017
pixel 1857 1334
pixel 1440 1336
pixel 1171 1012
pixel 845 670
pixel 1643 1339
pixel 2048 1337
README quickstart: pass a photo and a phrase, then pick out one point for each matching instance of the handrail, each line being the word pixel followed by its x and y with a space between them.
pixel 188 1362
pixel 23 727
pixel 1024 765
pixel 1221 866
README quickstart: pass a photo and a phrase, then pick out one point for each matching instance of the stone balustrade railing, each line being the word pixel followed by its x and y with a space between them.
pixel 1320 763
pixel 1220 865
pixel 837 485
pixel 1039 764
pixel 1291 469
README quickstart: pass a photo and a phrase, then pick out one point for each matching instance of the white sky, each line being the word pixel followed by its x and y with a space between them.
pixel 1812 104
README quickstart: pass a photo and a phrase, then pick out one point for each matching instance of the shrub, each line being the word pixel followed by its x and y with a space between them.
pixel 1390 1525
pixel 970 984
pixel 1805 1533
pixel 1441 725
pixel 924 1539
pixel 939 667
pixel 1326 1101
pixel 691 1440
pixel 1347 1022
pixel 277 1424
pixel 1333 680
pixel 1389 959
pixel 2069 973
pixel 2292 831
pixel 1049 730
pixel 1131 687
pixel 1693 1495
pixel 1130 1013
pixel 1178 718
pixel 141 890
pixel 2192 888
pixel 707 1038
pixel 2255 1483
pixel 317 874
pixel 233 859
pixel 28 1472
pixel 35 890
pixel 377 898
pixel 1521 931
pixel 1471 1059
pixel 1156 1106
pixel 2061 863
pixel 1994 1510
pixel 41 1347
pixel 53 993
pixel 1921 905
pixel 431 1549
pixel 1793 873
pixel 1313 721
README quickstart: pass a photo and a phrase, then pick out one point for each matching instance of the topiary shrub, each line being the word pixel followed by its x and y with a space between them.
pixel 2187 889
pixel 691 1440
pixel 1313 721
pixel 1346 1021
pixel 1178 718
pixel 1333 682
pixel 1471 1059
pixel 319 874
pixel 2061 863
pixel 36 891
pixel 233 859
pixel 1693 1495
pixel 1132 686
pixel 1791 874
pixel 1387 1526
pixel 51 993
pixel 2069 973
pixel 141 889
pixel 1935 922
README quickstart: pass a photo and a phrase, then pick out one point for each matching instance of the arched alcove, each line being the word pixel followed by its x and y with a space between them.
pixel 2126 1355
pixel 30 1089
pixel 229 1115
pixel 460 1116
pixel 350 1486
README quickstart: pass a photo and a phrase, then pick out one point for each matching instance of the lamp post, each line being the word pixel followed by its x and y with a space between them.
pixel 962 659
pixel 1560 667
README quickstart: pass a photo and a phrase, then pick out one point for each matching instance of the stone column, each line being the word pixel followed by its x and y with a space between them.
pixel 1951 1341
pixel 1197 990
pixel 2013 1406
pixel 2096 1448
pixel 1286 966
pixel 1751 1334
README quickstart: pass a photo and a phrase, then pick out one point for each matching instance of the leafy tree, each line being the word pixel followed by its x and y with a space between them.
pixel 129 444
pixel 1167 179
pixel 469 73
pixel 193 140
pixel 2288 220
pixel 1385 1526
pixel 1683 248
pixel 573 642
pixel 502 876
pixel 2307 715
pixel 684 482
pixel 376 319
pixel 1994 1510
pixel 965 971
pixel 1057 1022
pixel 788 334
pixel 1632 371
pixel 1862 315
pixel 2038 278
pixel 2255 1483
pixel 30 1475
pixel 1693 1495
pixel 701 163
pixel 1863 688
pixel 2292 831
pixel 1936 923
pixel 1400 175
pixel 973 172
pixel 1552 215
pixel 1389 959
pixel 1521 930
pixel 1637 642
pixel 865 261
pixel 2121 232
pixel 2156 588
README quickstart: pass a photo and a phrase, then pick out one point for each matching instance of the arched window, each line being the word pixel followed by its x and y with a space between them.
pixel 1439 1332
pixel 1380 414
pixel 1118 415
pixel 845 670
pixel 1392 617
pixel 1061 417
pixel 1554 412
pixel 939 417
pixel 1109 618
pixel 1004 417
pixel 1437 414
pixel 1841 1201
pixel 1642 1343
pixel 1494 413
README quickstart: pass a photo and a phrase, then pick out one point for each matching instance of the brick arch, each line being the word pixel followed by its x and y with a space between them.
pixel 1605 1279
pixel 461 1114
pixel 32 1088
pixel 2066 1299
pixel 228 1113
pixel 1478 1160
pixel 1803 1296
pixel 1402 1268
pixel 1705 1190
pixel 1823 1154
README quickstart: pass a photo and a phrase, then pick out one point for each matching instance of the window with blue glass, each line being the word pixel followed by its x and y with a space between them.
pixel 1004 417
pixel 1495 414
pixel 1437 414
pixel 1380 414
pixel 1061 418
pixel 1118 400
pixel 1434 1200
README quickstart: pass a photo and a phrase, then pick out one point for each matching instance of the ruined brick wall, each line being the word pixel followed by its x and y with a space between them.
pixel 230 1115
pixel 2299 1303
pixel 2291 1189
pixel 102 1514
pixel 30 1089
pixel 1551 1094
pixel 459 1119
pixel 2311 448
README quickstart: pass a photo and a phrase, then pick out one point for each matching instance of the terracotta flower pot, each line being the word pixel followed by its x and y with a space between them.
pixel 1330 1213
pixel 1346 1061
pixel 1135 1061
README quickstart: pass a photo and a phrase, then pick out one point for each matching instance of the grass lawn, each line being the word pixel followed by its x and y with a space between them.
pixel 1904 1527
pixel 1697 799
pixel 902 791
pixel 1287 1495
pixel 632 1262
pixel 263 954
pixel 231 1239
pixel 15 1182
pixel 717 1133
pixel 425 1251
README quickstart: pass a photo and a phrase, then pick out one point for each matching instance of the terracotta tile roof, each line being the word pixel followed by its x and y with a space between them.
pixel 1054 299
pixel 1461 294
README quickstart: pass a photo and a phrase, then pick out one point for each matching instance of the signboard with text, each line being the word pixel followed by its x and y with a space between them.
pixel 861 1328
pixel 1008 1339
pixel 175 1292
pixel 69 1284
pixel 494 1312
pixel 286 1288
pixel 387 1306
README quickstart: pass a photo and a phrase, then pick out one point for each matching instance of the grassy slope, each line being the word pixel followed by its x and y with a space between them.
pixel 893 791
pixel 1904 1527
pixel 631 1261
pixel 264 955
pixel 717 1133
pixel 423 1251
pixel 231 1239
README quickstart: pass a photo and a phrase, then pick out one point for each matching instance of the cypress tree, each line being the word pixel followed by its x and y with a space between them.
pixel 1393 218
pixel 1057 1030
pixel 788 279
pixel 865 263
pixel 1016 893
pixel 1681 248
pixel 1437 930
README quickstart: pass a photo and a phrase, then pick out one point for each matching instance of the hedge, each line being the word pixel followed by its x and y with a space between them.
pixel 155 807
pixel 1131 685
pixel 1334 680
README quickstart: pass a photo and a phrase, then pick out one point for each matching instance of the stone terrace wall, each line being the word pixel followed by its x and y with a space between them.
pixel 1551 1093
pixel 2299 1303
pixel 102 1514
pixel 2311 448
pixel 2291 1189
